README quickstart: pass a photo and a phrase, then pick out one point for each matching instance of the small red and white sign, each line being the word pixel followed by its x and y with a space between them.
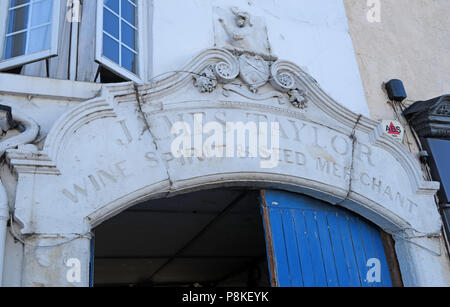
pixel 394 129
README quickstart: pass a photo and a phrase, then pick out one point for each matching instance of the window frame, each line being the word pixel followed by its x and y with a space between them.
pixel 436 169
pixel 11 63
pixel 142 44
pixel 443 193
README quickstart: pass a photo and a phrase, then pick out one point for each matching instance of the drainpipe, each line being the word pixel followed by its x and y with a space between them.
pixel 29 135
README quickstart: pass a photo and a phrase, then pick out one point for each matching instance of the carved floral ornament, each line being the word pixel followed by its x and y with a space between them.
pixel 254 72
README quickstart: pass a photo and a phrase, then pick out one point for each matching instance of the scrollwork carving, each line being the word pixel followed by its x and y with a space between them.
pixel 255 72
pixel 282 78
pixel 283 82
pixel 444 109
pixel 225 72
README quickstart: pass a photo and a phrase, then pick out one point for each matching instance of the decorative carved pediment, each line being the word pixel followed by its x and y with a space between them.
pixel 443 108
pixel 115 150
pixel 431 118
pixel 253 72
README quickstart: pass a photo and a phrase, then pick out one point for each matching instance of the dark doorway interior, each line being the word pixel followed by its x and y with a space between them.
pixel 208 238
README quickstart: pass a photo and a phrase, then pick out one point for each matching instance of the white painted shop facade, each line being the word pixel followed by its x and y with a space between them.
pixel 104 148
pixel 99 159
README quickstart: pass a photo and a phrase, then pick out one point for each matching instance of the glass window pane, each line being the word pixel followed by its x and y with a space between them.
pixel 18 19
pixel 110 23
pixel 128 36
pixel 129 12
pixel 31 23
pixel 39 39
pixel 128 60
pixel 110 49
pixel 15 45
pixel 42 12
pixel 113 5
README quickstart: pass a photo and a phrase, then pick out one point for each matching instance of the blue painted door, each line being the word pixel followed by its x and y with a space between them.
pixel 313 244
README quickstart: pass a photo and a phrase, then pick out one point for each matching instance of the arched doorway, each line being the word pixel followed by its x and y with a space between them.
pixel 325 151
pixel 239 237
pixel 207 238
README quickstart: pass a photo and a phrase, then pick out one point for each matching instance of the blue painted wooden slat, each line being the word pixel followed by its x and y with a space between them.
pixel 366 239
pixel 359 251
pixel 385 274
pixel 327 250
pixel 350 259
pixel 279 246
pixel 316 244
pixel 315 249
pixel 293 258
pixel 338 251
pixel 303 246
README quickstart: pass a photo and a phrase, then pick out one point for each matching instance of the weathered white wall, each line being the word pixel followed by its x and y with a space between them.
pixel 12 272
pixel 312 34
pixel 410 42
pixel 43 99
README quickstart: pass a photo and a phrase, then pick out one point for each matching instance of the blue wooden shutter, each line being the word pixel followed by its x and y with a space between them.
pixel 314 244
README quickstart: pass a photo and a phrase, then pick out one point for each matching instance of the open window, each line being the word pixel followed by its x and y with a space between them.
pixel 30 32
pixel 120 44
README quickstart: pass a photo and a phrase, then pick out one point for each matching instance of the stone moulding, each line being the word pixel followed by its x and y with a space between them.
pixel 164 86
pixel 160 87
pixel 98 108
pixel 32 162
pixel 76 118
pixel 285 77
pixel 406 159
